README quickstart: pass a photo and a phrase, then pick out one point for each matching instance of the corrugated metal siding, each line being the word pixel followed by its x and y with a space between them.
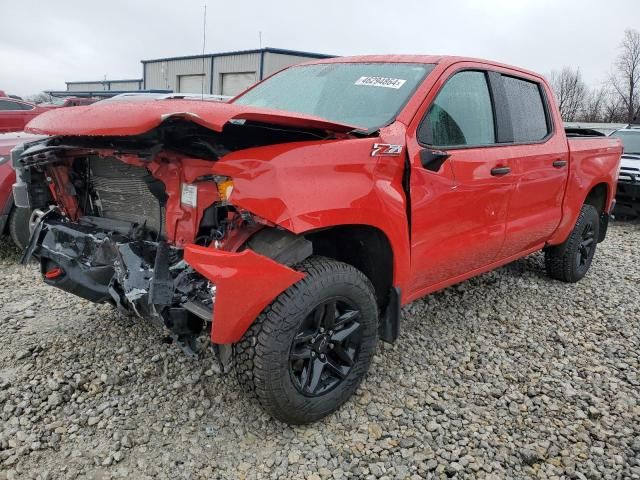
pixel 125 85
pixel 86 87
pixel 274 62
pixel 164 74
pixel 102 86
pixel 242 63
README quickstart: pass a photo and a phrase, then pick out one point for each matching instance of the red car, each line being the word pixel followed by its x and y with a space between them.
pixel 13 220
pixel 69 102
pixel 15 114
pixel 291 224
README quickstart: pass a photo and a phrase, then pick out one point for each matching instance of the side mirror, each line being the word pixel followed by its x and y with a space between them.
pixel 432 160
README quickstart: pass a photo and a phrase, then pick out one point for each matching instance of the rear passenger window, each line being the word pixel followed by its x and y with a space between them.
pixel 461 114
pixel 9 105
pixel 526 106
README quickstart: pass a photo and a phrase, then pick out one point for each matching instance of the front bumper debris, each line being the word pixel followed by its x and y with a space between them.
pixel 185 290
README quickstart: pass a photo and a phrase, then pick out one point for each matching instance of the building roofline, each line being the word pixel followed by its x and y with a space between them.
pixel 103 93
pixel 283 51
pixel 105 81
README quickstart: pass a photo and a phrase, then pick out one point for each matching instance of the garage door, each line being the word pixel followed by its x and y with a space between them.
pixel 191 84
pixel 234 83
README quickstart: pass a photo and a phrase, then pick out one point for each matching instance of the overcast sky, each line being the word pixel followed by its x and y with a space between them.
pixel 45 43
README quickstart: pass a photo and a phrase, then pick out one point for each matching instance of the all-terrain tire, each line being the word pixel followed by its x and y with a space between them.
pixel 19 226
pixel 570 261
pixel 263 357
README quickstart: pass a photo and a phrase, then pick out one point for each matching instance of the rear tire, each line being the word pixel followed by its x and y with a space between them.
pixel 306 353
pixel 570 261
pixel 19 226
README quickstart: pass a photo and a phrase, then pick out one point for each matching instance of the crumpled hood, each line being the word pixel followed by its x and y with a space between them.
pixel 135 118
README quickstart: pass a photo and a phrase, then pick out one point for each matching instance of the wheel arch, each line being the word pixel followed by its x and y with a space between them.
pixel 364 247
pixel 598 196
pixel 368 249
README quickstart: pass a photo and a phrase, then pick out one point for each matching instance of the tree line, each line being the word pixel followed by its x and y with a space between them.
pixel 617 100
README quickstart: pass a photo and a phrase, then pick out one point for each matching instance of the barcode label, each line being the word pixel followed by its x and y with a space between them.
pixel 385 82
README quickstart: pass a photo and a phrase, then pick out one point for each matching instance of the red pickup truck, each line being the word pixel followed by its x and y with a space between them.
pixel 291 224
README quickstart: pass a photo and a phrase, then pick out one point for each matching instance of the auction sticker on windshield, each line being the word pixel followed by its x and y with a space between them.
pixel 380 82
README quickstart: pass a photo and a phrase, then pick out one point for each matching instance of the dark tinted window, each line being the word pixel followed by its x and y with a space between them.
pixel 7 105
pixel 461 113
pixel 526 106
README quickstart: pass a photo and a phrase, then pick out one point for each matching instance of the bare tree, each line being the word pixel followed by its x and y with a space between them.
pixel 570 91
pixel 626 79
pixel 613 110
pixel 594 105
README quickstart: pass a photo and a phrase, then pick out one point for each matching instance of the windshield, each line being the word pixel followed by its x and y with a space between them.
pixel 630 140
pixel 54 101
pixel 365 95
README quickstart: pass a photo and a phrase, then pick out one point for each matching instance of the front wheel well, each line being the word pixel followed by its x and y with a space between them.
pixel 363 247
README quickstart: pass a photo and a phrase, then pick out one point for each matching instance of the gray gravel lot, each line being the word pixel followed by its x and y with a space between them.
pixel 509 375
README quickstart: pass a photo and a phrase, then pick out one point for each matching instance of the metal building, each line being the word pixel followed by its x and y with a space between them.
pixel 227 73
pixel 105 85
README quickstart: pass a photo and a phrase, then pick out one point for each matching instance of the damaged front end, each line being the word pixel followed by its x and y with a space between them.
pixel 147 226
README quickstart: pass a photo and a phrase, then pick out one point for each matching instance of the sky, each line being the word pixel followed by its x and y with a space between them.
pixel 45 43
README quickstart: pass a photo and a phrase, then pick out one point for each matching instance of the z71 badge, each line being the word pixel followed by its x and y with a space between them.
pixel 386 149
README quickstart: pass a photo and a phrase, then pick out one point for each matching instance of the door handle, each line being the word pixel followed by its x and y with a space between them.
pixel 500 171
pixel 559 163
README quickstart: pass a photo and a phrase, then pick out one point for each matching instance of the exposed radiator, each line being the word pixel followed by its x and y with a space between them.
pixel 123 194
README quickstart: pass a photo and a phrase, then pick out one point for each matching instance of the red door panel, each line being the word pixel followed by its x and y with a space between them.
pixel 535 208
pixel 458 215
pixel 541 161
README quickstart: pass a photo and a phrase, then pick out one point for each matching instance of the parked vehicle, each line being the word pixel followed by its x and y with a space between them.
pixel 291 224
pixel 4 94
pixel 143 96
pixel 13 221
pixel 15 114
pixel 628 197
pixel 70 101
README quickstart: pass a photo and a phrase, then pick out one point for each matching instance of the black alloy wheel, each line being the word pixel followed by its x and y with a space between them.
pixel 326 347
pixel 587 245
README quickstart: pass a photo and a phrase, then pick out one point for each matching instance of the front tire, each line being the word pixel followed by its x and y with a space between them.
pixel 570 261
pixel 306 354
pixel 19 227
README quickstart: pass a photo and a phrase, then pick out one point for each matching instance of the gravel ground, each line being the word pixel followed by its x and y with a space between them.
pixel 509 375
